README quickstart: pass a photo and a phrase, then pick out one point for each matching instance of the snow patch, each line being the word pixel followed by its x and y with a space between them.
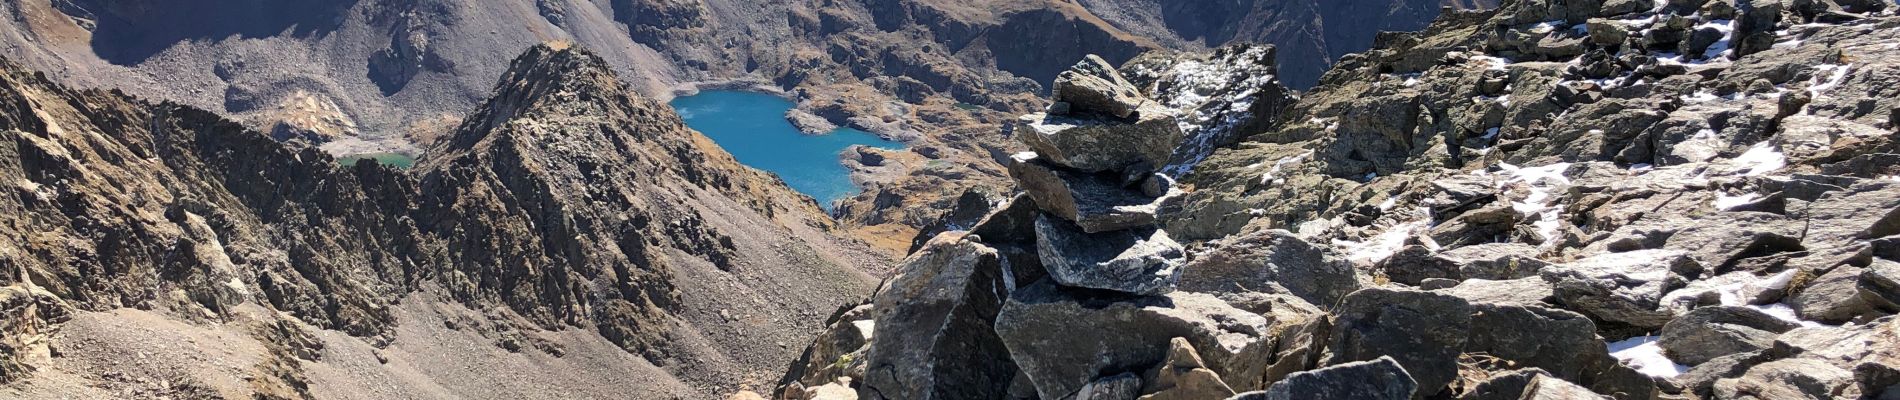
pixel 1382 246
pixel 1644 354
pixel 1827 77
pixel 1762 158
pixel 1541 203
pixel 1725 202
pixel 1272 177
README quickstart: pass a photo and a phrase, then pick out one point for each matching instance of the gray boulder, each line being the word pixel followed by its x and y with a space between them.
pixel 1879 285
pixel 1271 261
pixel 1092 145
pixel 1093 86
pixel 933 329
pixel 1379 379
pixel 1866 210
pixel 1495 261
pixel 1183 376
pixel 1063 338
pixel 1094 202
pixel 1700 381
pixel 1789 379
pixel 1124 386
pixel 1506 385
pixel 1545 387
pixel 1719 240
pixel 1523 292
pixel 1556 341
pixel 1834 297
pixel 1622 291
pixel 1424 331
pixel 1137 261
pixel 1710 332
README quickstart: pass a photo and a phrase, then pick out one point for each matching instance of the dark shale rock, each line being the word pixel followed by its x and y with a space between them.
pixel 1137 261
pixel 1124 333
pixel 933 322
pixel 1711 332
pixel 1271 261
pixel 1424 331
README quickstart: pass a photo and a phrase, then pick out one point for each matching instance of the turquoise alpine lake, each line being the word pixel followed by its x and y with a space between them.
pixel 752 127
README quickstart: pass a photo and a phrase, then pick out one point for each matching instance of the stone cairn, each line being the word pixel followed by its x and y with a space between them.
pixel 1093 174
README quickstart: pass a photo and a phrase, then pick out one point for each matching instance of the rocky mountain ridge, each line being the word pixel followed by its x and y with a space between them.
pixel 389 76
pixel 571 223
pixel 1554 199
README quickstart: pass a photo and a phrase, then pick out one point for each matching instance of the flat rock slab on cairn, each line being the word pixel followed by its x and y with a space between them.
pixel 1141 261
pixel 1095 202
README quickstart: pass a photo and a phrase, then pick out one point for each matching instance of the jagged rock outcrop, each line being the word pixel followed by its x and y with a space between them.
pixel 568 203
pixel 937 317
pixel 1232 341
pixel 1422 331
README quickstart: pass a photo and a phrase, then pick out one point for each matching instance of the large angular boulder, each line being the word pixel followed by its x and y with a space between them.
pixel 1495 261
pixel 1423 331
pixel 1183 376
pixel 838 352
pixel 933 326
pixel 1523 292
pixel 1123 386
pixel 1095 202
pixel 1271 261
pixel 1556 341
pixel 1380 379
pixel 1866 210
pixel 1834 297
pixel 1719 240
pixel 1300 331
pixel 1796 378
pixel 1137 261
pixel 1709 332
pixel 1093 145
pixel 1879 285
pixel 1063 338
pixel 1622 291
pixel 1093 86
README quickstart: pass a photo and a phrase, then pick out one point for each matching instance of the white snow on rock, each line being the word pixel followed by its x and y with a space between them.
pixel 1645 355
pixel 1272 177
pixel 1826 78
pixel 1493 62
pixel 1540 205
pixel 1211 98
pixel 1761 159
pixel 1725 202
pixel 1385 244
pixel 1721 47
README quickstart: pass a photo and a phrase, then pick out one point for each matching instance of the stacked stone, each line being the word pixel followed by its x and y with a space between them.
pixel 1093 175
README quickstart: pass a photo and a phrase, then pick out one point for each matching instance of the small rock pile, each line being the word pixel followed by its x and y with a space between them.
pixel 1093 176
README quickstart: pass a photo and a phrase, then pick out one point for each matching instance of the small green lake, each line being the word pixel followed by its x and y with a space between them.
pixel 390 159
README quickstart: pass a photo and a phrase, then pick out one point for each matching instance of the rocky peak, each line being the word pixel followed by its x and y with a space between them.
pixel 571 202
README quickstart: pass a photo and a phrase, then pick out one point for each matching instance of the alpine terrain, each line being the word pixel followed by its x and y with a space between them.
pixel 1092 200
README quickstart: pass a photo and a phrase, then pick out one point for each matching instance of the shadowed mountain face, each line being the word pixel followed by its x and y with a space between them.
pixel 1310 35
pixel 127 32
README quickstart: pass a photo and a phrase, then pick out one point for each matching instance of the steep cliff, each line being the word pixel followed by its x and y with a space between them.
pixel 569 215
